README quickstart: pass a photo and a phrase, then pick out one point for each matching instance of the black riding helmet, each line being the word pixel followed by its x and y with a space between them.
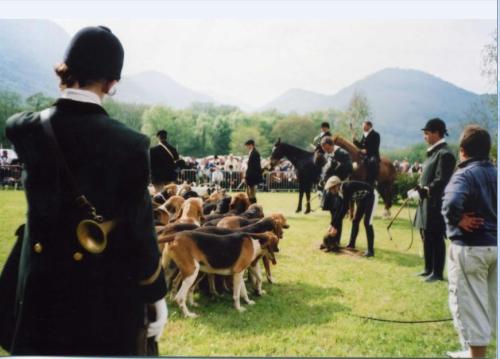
pixel 95 53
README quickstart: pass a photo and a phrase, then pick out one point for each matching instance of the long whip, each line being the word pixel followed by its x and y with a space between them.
pixel 405 203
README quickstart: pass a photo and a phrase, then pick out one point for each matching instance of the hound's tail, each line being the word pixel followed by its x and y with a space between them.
pixel 166 238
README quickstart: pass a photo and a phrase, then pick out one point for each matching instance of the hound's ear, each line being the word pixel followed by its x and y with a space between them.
pixel 175 217
pixel 263 240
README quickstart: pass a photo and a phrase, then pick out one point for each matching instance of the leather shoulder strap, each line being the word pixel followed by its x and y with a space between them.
pixel 80 200
pixel 45 118
pixel 168 151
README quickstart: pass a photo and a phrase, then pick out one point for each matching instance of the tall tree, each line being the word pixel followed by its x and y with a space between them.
pixel 490 60
pixel 295 130
pixel 221 137
pixel 243 133
pixel 489 70
pixel 357 112
pixel 485 111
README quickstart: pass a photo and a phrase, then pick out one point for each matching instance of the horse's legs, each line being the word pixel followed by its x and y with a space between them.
pixel 385 191
pixel 308 204
pixel 301 194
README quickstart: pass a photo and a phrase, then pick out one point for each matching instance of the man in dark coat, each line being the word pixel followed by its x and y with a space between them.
pixel 436 172
pixel 163 162
pixel 253 174
pixel 370 144
pixel 339 162
pixel 59 296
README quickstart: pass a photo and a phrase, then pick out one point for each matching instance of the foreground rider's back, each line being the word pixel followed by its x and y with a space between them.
pixel 69 301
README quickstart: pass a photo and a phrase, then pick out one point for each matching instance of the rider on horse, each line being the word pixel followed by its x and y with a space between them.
pixel 369 144
pixel 325 132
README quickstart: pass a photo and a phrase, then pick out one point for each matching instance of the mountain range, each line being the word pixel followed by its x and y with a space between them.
pixel 400 100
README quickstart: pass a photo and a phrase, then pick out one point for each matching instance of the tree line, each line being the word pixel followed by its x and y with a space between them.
pixel 206 129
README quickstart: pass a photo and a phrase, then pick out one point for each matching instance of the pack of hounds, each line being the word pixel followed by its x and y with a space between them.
pixel 210 239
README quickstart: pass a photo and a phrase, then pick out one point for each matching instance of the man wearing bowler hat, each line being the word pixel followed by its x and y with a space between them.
pixel 253 175
pixel 436 172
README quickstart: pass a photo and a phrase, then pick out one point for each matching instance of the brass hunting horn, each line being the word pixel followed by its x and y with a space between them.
pixel 91 232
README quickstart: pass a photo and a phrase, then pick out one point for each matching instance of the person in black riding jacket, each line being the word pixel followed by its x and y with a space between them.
pixel 324 133
pixel 339 195
pixel 339 160
pixel 369 145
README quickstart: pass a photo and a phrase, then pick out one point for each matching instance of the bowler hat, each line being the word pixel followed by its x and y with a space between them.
pixel 436 125
pixel 95 53
pixel 250 142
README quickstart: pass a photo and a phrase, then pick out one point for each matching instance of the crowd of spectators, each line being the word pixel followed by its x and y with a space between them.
pixel 10 169
pixel 404 166
pixel 226 170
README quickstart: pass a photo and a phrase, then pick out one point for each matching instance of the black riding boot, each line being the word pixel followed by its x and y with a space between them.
pixel 370 236
pixel 354 235
pixel 426 239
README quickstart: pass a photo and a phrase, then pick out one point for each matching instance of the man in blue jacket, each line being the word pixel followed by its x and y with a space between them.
pixel 470 212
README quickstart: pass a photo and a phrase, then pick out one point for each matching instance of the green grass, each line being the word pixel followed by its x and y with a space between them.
pixel 312 308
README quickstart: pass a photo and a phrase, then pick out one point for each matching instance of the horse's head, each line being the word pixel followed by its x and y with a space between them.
pixel 319 159
pixel 277 154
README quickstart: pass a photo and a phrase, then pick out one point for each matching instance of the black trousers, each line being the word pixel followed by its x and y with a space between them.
pixel 364 208
pixel 372 168
pixel 434 250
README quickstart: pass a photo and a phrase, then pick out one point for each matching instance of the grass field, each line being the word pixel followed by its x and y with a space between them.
pixel 313 308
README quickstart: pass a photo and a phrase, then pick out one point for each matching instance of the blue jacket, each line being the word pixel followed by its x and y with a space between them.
pixel 473 188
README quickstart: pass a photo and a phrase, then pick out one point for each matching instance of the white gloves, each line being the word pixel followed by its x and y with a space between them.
pixel 413 194
pixel 155 329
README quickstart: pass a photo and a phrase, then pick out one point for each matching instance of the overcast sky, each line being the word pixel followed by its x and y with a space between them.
pixel 256 61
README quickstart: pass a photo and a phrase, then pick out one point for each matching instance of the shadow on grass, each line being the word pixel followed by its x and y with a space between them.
pixel 384 255
pixel 285 305
pixel 398 258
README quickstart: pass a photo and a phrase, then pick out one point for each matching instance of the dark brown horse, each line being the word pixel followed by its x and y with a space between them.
pixel 308 173
pixel 386 174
